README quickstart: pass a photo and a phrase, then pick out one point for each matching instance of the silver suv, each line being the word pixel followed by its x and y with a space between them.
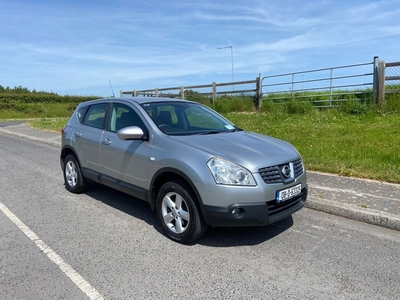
pixel 194 167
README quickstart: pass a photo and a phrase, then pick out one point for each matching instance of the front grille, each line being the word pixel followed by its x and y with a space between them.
pixel 270 174
pixel 273 174
pixel 298 168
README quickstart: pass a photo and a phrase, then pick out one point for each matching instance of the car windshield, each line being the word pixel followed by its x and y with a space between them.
pixel 185 118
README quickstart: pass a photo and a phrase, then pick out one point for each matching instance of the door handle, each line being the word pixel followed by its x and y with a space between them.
pixel 107 142
pixel 78 134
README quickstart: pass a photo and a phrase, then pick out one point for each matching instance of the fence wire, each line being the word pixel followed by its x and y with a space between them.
pixel 393 72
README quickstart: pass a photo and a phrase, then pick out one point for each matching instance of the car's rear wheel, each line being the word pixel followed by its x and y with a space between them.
pixel 73 178
pixel 178 212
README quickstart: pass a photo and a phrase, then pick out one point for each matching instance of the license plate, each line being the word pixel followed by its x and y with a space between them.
pixel 287 194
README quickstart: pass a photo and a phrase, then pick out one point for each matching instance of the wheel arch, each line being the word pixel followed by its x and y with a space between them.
pixel 65 151
pixel 166 175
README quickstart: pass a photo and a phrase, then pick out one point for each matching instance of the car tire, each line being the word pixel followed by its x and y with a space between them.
pixel 179 213
pixel 73 178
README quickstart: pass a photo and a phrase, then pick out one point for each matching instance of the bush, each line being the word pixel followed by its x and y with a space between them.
pixel 299 107
pixel 42 98
pixel 195 96
pixel 227 104
pixel 355 107
pixel 33 109
pixel 391 104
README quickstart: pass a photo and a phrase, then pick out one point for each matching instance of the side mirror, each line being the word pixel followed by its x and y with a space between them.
pixel 130 133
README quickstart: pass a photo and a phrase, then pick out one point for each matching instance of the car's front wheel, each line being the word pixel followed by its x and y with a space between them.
pixel 73 178
pixel 178 212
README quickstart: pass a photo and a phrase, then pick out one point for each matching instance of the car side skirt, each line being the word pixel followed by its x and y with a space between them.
pixel 116 184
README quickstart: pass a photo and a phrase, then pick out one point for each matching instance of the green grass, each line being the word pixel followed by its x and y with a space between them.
pixel 49 124
pixel 356 139
pixel 365 146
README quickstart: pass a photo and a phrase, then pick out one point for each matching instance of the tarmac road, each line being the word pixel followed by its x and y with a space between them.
pixel 104 244
pixel 11 123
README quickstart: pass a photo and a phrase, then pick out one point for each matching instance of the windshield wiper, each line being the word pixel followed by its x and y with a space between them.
pixel 221 131
pixel 210 132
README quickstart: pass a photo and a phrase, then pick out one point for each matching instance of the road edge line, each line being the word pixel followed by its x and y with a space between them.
pixel 70 272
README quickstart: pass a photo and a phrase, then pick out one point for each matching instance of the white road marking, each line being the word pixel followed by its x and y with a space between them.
pixel 77 279
pixel 303 233
pixel 318 227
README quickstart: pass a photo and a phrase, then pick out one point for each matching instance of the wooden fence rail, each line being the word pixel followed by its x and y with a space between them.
pixel 213 90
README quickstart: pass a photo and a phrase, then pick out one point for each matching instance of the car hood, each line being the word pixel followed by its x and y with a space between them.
pixel 248 149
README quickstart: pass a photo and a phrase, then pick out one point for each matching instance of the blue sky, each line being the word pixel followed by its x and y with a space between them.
pixel 75 47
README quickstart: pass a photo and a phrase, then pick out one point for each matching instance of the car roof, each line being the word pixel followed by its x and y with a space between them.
pixel 138 100
pixel 141 100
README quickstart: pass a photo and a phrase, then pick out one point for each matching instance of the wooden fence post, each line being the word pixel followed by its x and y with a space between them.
pixel 214 92
pixel 182 92
pixel 381 85
pixel 258 93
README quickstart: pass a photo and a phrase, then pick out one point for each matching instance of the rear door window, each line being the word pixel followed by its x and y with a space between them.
pixel 95 115
pixel 81 114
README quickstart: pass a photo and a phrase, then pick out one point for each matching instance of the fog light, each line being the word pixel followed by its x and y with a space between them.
pixel 237 212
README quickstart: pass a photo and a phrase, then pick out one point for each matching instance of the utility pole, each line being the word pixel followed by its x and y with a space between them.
pixel 233 76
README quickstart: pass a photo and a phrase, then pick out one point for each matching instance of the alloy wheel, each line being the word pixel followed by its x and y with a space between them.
pixel 71 173
pixel 175 212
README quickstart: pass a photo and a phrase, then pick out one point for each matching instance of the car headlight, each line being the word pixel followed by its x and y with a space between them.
pixel 226 172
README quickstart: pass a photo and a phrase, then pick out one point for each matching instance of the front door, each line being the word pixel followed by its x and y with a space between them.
pixel 125 161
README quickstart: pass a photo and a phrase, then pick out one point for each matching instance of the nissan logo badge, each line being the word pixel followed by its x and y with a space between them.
pixel 286 171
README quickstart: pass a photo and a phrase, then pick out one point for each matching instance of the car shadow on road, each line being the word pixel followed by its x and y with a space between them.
pixel 244 236
pixel 130 205
pixel 214 237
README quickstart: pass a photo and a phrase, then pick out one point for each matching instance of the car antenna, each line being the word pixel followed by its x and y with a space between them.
pixel 111 88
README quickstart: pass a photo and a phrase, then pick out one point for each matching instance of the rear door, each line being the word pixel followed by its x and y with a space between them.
pixel 87 138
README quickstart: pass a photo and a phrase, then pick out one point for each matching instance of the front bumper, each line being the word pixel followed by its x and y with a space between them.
pixel 253 214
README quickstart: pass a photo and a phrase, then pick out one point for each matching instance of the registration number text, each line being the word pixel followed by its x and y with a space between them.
pixel 288 193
